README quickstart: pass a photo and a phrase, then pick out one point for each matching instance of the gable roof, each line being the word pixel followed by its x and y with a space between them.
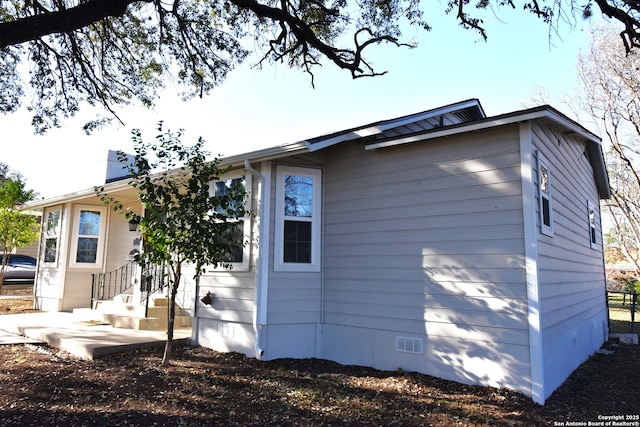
pixel 461 117
pixel 458 118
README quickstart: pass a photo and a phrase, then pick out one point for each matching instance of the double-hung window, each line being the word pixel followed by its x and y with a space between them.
pixel 544 196
pixel 297 241
pixel 88 236
pixel 238 257
pixel 591 212
pixel 51 236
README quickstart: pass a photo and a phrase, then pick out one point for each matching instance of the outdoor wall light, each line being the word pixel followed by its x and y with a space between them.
pixel 133 224
pixel 207 299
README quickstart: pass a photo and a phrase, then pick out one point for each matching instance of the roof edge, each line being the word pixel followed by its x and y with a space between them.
pixel 324 141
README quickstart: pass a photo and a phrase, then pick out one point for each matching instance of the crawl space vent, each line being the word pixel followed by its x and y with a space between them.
pixel 409 344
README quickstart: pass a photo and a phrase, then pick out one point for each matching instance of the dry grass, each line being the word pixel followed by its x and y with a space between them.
pixel 16 299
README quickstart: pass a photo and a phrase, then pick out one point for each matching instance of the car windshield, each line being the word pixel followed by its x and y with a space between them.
pixel 24 260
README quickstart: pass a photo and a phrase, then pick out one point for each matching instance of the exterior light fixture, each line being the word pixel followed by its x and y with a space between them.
pixel 207 299
pixel 133 223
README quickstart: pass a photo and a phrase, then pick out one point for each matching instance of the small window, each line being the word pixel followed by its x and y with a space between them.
pixel 297 241
pixel 88 236
pixel 592 225
pixel 52 236
pixel 544 196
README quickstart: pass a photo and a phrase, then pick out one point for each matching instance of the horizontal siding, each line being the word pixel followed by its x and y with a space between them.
pixel 293 297
pixel 571 273
pixel 426 238
pixel 234 299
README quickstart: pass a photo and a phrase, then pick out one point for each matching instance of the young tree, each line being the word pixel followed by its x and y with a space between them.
pixel 17 229
pixel 612 98
pixel 187 219
pixel 109 52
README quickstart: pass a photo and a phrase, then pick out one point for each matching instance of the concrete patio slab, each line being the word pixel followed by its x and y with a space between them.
pixel 81 338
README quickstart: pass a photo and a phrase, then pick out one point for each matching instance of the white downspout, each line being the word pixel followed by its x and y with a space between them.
pixel 262 267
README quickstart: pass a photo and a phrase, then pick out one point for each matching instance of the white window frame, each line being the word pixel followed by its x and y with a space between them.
pixel 593 229
pixel 546 229
pixel 246 227
pixel 316 175
pixel 75 235
pixel 51 234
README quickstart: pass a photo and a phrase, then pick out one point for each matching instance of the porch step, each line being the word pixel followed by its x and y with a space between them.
pixel 121 313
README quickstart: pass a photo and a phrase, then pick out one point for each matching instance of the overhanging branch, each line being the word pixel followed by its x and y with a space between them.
pixel 34 27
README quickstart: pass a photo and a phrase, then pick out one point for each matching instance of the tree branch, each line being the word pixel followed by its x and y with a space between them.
pixel 34 27
pixel 631 25
pixel 306 37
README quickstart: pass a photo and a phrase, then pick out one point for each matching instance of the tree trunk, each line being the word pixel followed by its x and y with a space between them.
pixel 172 317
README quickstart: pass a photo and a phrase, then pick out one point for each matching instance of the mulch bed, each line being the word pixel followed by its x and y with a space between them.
pixel 41 386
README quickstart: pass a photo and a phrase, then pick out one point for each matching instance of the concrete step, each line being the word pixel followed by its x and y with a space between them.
pixel 122 314
pixel 115 307
pixel 145 323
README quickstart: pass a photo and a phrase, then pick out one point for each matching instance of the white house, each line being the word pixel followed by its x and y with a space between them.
pixel 445 242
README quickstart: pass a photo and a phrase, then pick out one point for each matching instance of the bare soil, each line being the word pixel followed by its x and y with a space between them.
pixel 42 386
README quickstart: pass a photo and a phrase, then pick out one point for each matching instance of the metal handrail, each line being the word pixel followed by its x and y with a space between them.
pixel 151 281
pixel 105 286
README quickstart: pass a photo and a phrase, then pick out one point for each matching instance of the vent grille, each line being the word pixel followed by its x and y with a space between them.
pixel 226 329
pixel 409 345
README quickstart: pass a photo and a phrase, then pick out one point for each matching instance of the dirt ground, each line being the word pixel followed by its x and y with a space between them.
pixel 41 386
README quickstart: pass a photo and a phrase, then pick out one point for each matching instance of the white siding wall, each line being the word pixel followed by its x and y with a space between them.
pixel 570 272
pixel 424 241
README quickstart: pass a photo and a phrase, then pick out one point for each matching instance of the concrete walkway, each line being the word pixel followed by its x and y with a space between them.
pixel 83 339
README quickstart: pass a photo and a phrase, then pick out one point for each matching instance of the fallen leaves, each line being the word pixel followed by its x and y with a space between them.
pixel 42 386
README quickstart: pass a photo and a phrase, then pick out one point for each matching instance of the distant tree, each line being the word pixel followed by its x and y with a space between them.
pixel 612 97
pixel 17 229
pixel 186 220
pixel 110 52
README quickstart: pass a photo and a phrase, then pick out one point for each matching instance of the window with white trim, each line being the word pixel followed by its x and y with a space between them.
pixel 51 236
pixel 297 241
pixel 88 236
pixel 238 258
pixel 544 196
pixel 591 212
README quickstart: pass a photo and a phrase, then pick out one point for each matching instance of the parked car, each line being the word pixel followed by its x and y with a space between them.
pixel 20 269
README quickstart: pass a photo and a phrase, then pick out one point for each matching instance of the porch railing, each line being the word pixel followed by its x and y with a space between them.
pixel 152 280
pixel 105 286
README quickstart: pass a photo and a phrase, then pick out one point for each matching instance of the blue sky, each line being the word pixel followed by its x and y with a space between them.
pixel 255 109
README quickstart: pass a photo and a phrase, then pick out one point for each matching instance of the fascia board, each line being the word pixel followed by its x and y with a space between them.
pixel 380 127
pixel 266 154
pixel 432 113
pixel 499 121
pixel 238 160
pixel 78 195
pixel 358 133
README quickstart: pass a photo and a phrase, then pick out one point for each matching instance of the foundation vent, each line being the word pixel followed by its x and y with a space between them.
pixel 226 329
pixel 409 345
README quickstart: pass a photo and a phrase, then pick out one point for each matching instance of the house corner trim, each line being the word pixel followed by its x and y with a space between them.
pixel 536 355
